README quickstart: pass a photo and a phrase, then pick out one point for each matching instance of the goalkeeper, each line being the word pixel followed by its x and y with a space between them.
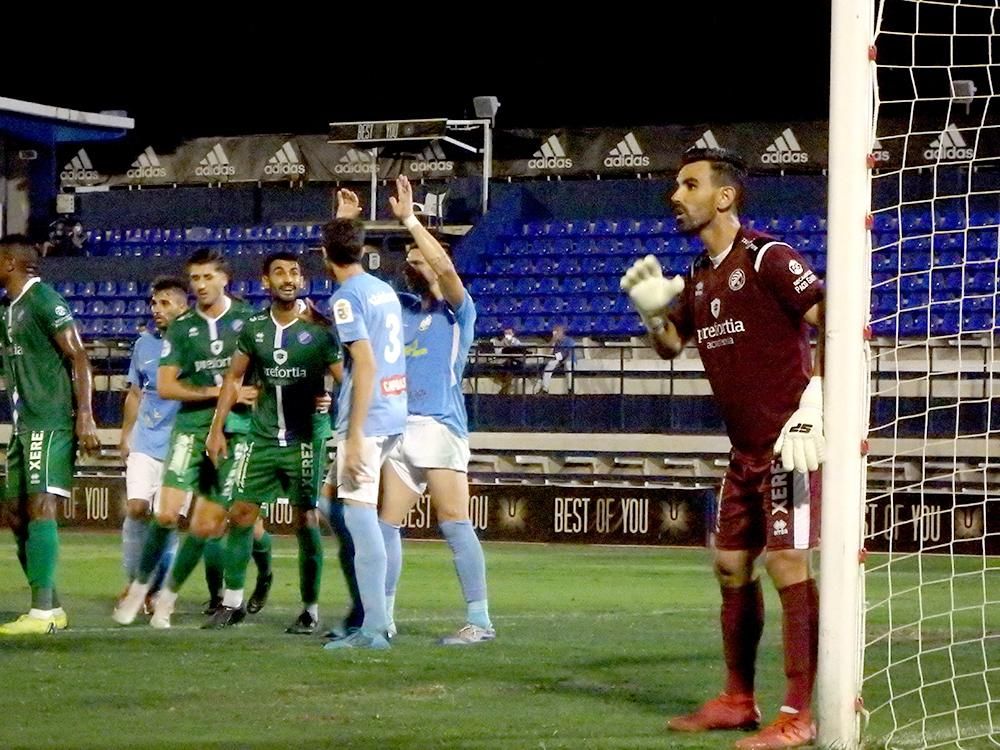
pixel 748 304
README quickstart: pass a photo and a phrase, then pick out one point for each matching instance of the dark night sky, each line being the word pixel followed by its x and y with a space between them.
pixel 773 65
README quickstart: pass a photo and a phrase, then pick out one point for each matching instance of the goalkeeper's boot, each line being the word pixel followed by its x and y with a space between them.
pixel 722 712
pixel 788 730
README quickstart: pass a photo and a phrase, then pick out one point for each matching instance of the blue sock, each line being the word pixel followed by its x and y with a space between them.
pixel 133 539
pixel 393 556
pixel 345 556
pixel 369 564
pixel 470 565
pixel 165 563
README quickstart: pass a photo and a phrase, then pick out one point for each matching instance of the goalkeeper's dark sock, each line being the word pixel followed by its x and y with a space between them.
pixel 800 633
pixel 742 624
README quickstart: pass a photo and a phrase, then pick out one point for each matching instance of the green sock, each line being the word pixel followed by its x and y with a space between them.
pixel 152 550
pixel 262 555
pixel 43 556
pixel 215 565
pixel 310 563
pixel 239 542
pixel 186 561
pixel 21 537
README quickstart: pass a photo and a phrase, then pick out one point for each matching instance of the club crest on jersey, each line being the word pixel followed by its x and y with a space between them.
pixel 424 324
pixel 342 311
pixel 795 267
pixel 280 356
pixel 716 307
pixel 216 346
pixel 304 337
pixel 238 324
pixel 737 279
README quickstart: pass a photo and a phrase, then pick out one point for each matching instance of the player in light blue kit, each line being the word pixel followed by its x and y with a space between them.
pixel 146 425
pixel 371 407
pixel 438 329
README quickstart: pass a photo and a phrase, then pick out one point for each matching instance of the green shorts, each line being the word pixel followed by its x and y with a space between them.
pixel 188 467
pixel 40 462
pixel 265 471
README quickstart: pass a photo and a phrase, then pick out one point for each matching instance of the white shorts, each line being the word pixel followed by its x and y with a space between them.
pixel 143 479
pixel 374 452
pixel 427 444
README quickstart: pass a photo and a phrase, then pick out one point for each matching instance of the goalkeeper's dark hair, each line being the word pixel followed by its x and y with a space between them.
pixel 344 241
pixel 205 255
pixel 728 168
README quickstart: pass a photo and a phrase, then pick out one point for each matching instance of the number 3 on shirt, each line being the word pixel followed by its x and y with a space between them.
pixel 394 348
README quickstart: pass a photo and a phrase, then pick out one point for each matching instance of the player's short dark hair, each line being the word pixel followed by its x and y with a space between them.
pixel 277 255
pixel 204 255
pixel 344 241
pixel 728 167
pixel 21 249
pixel 168 284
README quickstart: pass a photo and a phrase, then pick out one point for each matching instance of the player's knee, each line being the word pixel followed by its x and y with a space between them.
pixel 42 508
pixel 307 519
pixel 455 514
pixel 732 572
pixel 787 567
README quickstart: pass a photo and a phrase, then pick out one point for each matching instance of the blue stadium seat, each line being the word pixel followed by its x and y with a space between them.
pixel 977 314
pixel 913 323
pixel 296 233
pixel 915 255
pixel 593 265
pixel 116 307
pixel 128 289
pixel 553 305
pixel 488 325
pixel 946 284
pixel 984 218
pixel 617 266
pixel 945 318
pixel 574 285
pixel 884 327
pixel 526 285
pixel 175 234
pixel 548 285
pixel 85 289
pixel 481 287
pixel 96 308
pixel 137 308
pixel 536 325
pixel 917 220
pixel 78 308
pixel 107 289
pixel 253 234
pixel 93 327
pixel 649 226
pixel 566 265
pixel 313 232
pixel 275 233
pixel 535 229
pixel 980 280
pixel 596 285
pixel 811 223
pixel 499 265
pixel 66 289
pixel 503 286
pixel 603 227
pixel 543 266
pixel 240 288
pixel 321 287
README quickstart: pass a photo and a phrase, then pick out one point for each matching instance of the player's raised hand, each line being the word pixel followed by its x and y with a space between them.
pixel 649 292
pixel 348 204
pixel 801 444
pixel 402 203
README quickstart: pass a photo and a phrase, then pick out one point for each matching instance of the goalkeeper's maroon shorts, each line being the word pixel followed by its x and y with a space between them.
pixel 762 505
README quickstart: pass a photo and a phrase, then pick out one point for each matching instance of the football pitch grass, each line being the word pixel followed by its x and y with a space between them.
pixel 596 646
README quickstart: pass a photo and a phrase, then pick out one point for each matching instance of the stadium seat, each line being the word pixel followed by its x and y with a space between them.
pixel 107 289
pixel 66 289
pixel 77 308
pixel 116 307
pixel 275 233
pixel 240 288
pixel 85 289
pixel 945 318
pixel 321 287
pixel 96 308
pixel 137 308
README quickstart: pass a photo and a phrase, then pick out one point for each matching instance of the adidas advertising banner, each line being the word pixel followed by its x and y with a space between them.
pixel 791 146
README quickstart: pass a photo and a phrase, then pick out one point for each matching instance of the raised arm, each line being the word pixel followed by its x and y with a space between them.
pixel 434 255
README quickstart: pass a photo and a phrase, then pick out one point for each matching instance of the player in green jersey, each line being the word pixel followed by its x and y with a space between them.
pixel 197 349
pixel 290 359
pixel 49 381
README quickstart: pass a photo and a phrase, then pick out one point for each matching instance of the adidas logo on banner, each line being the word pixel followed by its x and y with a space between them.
pixel 785 150
pixel 879 153
pixel 949 145
pixel 432 159
pixel 285 162
pixel 215 164
pixel 707 140
pixel 627 153
pixel 550 156
pixel 146 166
pixel 355 162
pixel 79 169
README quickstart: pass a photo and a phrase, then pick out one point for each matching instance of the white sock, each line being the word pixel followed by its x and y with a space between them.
pixel 166 597
pixel 233 598
pixel 312 609
pixel 41 614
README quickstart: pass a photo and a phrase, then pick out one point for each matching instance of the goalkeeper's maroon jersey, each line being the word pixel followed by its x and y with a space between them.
pixel 746 317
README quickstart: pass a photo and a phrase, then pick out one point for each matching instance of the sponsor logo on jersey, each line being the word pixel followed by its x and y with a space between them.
pixel 795 267
pixel 304 337
pixel 381 298
pixel 394 385
pixel 220 363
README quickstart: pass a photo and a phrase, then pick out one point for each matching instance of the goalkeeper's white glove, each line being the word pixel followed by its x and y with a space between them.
pixel 801 442
pixel 649 291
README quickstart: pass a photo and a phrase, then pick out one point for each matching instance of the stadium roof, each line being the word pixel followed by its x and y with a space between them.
pixel 44 124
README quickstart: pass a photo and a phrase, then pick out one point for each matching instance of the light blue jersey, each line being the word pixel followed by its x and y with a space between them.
pixel 151 433
pixel 366 308
pixel 437 347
